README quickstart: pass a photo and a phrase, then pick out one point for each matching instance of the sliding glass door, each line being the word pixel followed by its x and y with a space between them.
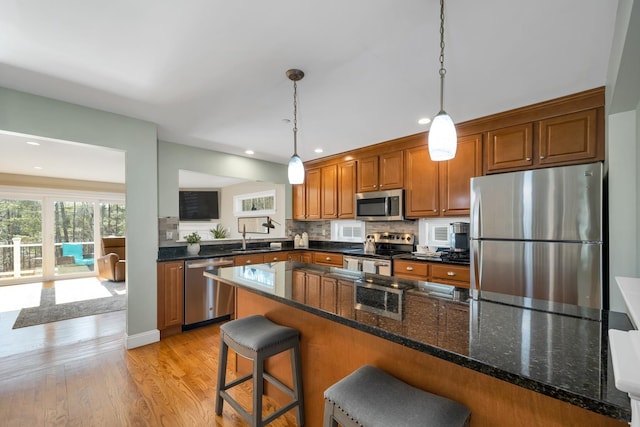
pixel 73 237
pixel 51 235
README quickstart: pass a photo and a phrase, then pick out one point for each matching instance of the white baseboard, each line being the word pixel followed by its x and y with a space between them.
pixel 138 340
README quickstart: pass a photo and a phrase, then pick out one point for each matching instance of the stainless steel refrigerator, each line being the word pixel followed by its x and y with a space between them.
pixel 536 239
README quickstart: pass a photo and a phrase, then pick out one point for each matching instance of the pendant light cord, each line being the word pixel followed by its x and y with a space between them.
pixel 442 69
pixel 295 118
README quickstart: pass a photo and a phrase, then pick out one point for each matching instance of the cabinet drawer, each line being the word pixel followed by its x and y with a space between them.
pixel 410 269
pixel 326 258
pixel 248 259
pixel 450 274
pixel 276 256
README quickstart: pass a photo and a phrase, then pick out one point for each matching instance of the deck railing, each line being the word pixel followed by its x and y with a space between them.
pixel 25 259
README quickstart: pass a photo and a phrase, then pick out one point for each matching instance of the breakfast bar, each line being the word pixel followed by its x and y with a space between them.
pixel 509 365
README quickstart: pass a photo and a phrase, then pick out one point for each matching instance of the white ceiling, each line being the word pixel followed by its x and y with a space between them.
pixel 211 73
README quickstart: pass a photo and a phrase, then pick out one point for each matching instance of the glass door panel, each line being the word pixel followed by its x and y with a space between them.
pixel 20 239
pixel 74 246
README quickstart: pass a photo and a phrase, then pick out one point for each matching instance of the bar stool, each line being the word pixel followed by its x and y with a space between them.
pixel 257 338
pixel 372 398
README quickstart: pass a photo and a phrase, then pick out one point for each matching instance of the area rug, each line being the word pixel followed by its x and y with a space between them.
pixel 48 311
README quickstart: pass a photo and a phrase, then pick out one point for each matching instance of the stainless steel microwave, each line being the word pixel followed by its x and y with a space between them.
pixel 380 205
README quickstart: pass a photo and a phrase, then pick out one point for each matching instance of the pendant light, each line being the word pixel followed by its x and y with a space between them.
pixel 296 168
pixel 443 139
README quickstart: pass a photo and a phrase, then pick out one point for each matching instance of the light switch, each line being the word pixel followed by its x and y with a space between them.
pixel 169 235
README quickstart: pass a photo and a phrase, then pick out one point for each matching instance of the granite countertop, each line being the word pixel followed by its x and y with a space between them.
pixel 561 356
pixel 179 253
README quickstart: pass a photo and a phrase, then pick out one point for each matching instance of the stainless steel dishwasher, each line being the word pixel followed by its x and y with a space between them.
pixel 206 300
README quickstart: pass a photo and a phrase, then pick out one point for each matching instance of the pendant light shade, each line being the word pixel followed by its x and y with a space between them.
pixel 296 170
pixel 296 167
pixel 443 139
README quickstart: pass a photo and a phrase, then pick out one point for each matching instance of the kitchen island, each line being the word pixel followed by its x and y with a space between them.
pixel 510 366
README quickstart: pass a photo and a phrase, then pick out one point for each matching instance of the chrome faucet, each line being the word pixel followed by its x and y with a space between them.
pixel 244 237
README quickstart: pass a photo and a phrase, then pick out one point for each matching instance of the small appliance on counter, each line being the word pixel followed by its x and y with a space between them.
pixel 459 236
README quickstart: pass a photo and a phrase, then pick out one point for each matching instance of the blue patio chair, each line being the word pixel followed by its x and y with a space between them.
pixel 75 250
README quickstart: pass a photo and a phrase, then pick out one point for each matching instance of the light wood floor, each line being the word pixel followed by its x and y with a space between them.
pixel 78 373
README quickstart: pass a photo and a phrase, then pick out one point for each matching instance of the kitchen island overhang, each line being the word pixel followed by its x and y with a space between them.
pixel 560 357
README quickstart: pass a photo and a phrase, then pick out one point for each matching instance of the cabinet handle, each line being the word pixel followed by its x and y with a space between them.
pixel 328 258
pixel 444 210
pixel 180 268
pixel 450 273
pixel 435 210
pixel 541 157
pixel 528 159
pixel 409 268
pixel 248 261
pixel 275 258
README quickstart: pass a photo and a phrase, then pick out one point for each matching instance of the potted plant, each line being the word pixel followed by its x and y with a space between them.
pixel 193 243
pixel 219 232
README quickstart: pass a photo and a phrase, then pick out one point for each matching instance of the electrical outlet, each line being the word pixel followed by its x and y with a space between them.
pixel 324 232
pixel 169 235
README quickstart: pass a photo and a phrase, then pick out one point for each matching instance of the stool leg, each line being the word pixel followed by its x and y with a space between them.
pixel 296 368
pixel 258 390
pixel 222 373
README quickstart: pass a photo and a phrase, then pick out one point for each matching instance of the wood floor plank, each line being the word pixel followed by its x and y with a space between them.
pixel 77 373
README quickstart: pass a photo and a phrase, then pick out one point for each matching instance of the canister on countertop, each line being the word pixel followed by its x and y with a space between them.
pixel 296 241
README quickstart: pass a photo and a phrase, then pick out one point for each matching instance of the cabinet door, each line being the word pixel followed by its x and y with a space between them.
pixel 345 299
pixel 510 148
pixel 306 257
pixel 329 294
pixel 421 191
pixel 170 294
pixel 456 174
pixel 313 193
pixel 453 327
pixel 421 318
pixel 329 191
pixel 367 172
pixel 391 170
pixel 347 189
pixel 298 286
pixel 313 290
pixel 299 202
pixel 568 138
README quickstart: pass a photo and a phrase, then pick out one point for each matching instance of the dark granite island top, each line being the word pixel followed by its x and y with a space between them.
pixel 563 357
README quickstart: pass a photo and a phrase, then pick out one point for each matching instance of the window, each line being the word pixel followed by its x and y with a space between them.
pixel 347 231
pixel 255 204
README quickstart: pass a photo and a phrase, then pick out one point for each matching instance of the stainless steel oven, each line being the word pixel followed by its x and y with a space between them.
pixel 384 299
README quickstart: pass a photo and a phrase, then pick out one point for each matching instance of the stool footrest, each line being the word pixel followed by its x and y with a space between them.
pixel 283 388
pixel 231 401
pixel 236 382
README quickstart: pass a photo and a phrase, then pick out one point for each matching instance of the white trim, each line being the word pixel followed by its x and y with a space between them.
pixel 31 192
pixel 142 339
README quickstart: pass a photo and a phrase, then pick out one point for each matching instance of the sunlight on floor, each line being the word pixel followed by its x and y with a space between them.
pixel 70 291
pixel 16 297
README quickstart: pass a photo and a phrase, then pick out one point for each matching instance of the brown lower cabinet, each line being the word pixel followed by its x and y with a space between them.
pixel 391 325
pixel 437 322
pixel 170 297
pixel 448 274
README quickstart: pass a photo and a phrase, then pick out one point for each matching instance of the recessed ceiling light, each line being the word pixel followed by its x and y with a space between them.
pixel 38 167
pixel 33 143
pixel 248 152
pixel 424 121
pixel 318 150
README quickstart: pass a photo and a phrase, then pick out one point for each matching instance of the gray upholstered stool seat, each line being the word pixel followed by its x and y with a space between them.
pixel 257 338
pixel 370 397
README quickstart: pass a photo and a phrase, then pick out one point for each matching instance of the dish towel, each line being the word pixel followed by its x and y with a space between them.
pixel 353 264
pixel 369 266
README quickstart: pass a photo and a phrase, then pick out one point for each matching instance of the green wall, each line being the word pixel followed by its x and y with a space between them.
pixel 173 157
pixel 38 116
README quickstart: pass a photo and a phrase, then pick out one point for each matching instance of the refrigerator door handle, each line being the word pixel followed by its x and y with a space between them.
pixel 476 262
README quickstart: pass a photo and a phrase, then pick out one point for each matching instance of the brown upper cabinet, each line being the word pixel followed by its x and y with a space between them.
pixel 381 172
pixel 565 139
pixel 346 189
pixel 329 192
pixel 441 188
